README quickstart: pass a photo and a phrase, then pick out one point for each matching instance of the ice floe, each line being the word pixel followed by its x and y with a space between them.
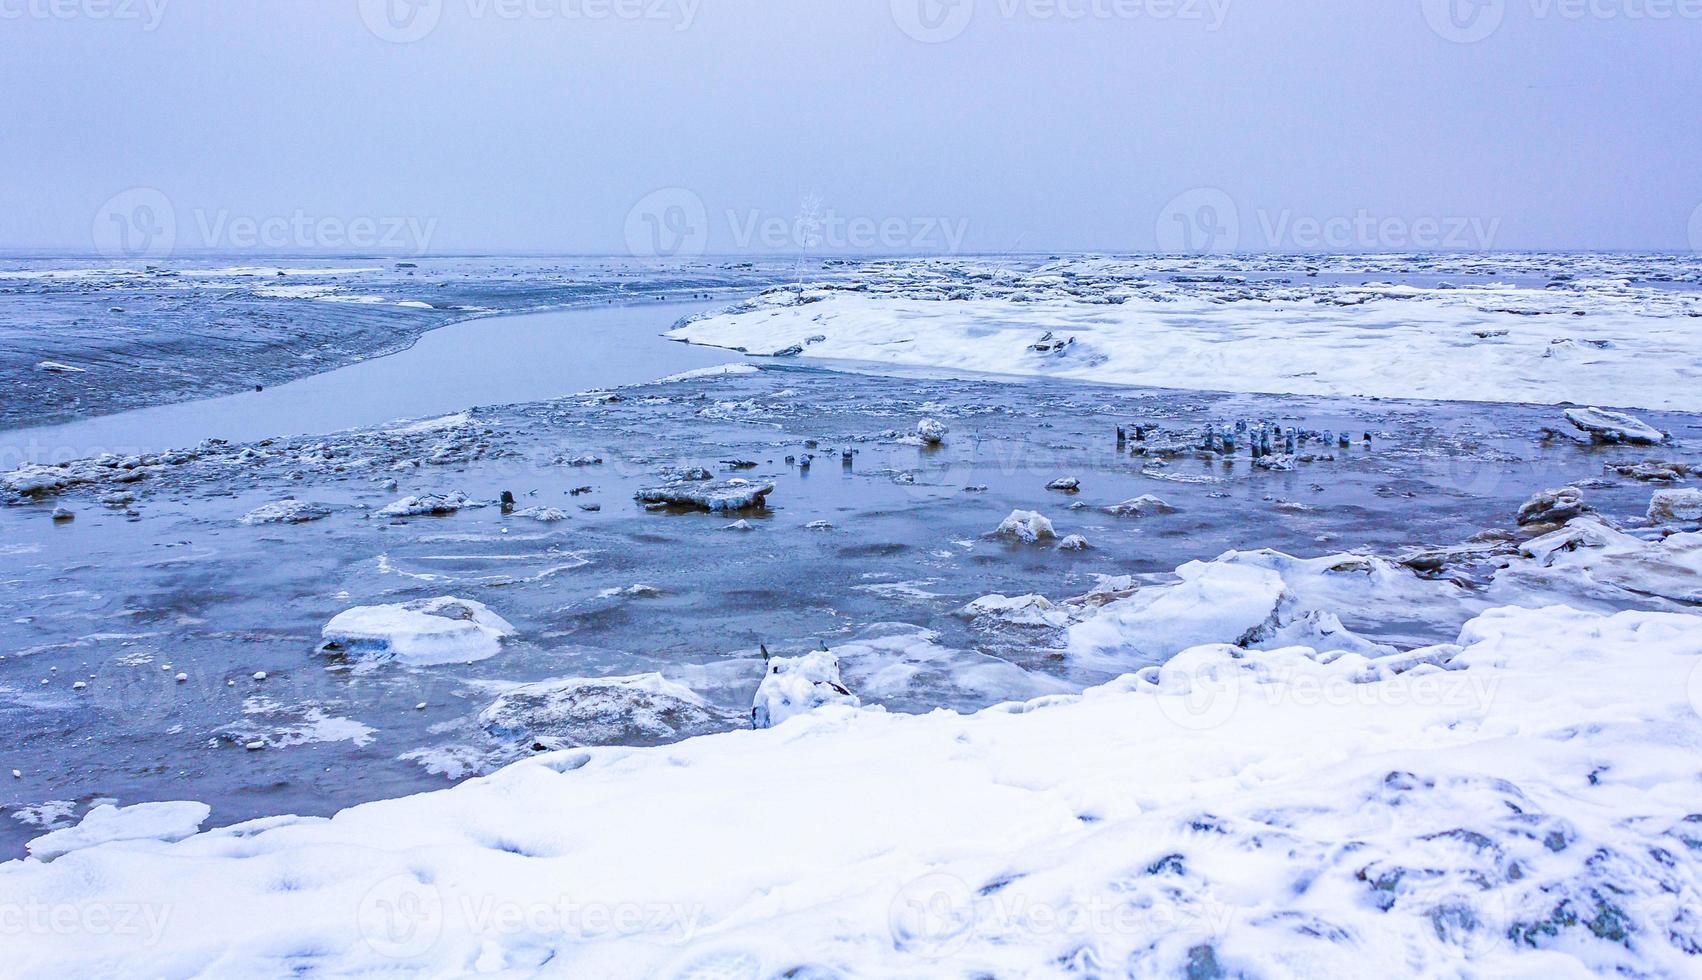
pixel 717 498
pixel 289 511
pixel 423 632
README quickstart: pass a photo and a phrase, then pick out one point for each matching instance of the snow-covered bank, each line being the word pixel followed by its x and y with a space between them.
pixel 1600 341
pixel 1528 800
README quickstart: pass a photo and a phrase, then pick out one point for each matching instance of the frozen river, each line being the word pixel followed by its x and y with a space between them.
pixel 485 361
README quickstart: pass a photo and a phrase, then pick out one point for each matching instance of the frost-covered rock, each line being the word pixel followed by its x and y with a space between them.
pixel 932 432
pixel 1553 506
pixel 105 824
pixel 63 514
pixel 646 709
pixel 428 505
pixel 1025 525
pixel 717 498
pixel 1614 427
pixel 289 511
pixel 798 685
pixel 1065 484
pixel 424 632
pixel 1074 542
pixel 1674 506
pixel 1139 507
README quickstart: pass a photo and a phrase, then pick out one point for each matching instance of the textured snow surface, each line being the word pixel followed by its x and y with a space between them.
pixel 1527 801
pixel 1598 341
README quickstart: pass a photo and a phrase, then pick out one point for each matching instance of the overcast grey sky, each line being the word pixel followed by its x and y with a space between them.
pixel 901 125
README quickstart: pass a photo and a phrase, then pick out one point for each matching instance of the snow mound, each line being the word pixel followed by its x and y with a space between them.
pixel 106 824
pixel 798 685
pixel 424 632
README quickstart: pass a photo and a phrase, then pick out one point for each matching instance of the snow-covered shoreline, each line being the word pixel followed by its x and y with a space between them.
pixel 1601 341
pixel 1269 793
pixel 1525 800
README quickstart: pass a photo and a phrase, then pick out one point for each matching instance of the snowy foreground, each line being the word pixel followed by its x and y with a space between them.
pixel 1527 801
pixel 1598 339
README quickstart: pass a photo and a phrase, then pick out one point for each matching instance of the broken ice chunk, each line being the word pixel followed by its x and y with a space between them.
pixel 1139 506
pixel 1671 506
pixel 428 505
pixel 646 709
pixel 1606 426
pixel 424 632
pixel 717 498
pixel 1552 506
pixel 288 511
pixel 797 685
pixel 931 431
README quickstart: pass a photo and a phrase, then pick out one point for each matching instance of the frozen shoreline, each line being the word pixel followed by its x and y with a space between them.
pixel 1524 799
pixel 1601 341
